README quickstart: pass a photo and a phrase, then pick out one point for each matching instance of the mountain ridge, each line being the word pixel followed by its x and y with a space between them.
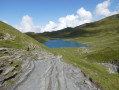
pixel 75 32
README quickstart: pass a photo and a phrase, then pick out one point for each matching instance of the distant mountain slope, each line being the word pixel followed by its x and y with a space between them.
pixel 103 35
pixel 106 26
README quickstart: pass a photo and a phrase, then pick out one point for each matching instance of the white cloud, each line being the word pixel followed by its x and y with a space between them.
pixel 63 22
pixel 102 9
pixel 49 27
pixel 82 16
pixel 68 21
pixel 117 9
pixel 27 25
pixel 4 21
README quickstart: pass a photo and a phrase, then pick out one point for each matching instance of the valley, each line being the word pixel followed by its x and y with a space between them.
pixel 87 68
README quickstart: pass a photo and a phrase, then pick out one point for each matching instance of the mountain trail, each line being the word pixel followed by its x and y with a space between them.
pixel 53 74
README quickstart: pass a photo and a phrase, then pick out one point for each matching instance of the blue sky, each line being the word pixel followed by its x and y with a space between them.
pixel 43 11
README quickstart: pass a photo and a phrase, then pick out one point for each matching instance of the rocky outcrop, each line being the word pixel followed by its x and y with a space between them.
pixel 15 65
pixel 24 75
pixel 48 72
pixel 7 36
pixel 113 67
pixel 52 74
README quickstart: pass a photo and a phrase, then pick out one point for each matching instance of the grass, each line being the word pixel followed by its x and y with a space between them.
pixel 2 35
pixel 16 63
pixel 18 40
pixel 99 74
pixel 107 54
pixel 3 54
pixel 103 38
pixel 10 82
pixel 38 37
pixel 12 38
pixel 10 74
pixel 5 58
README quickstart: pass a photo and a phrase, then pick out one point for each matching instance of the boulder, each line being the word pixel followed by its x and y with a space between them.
pixel 112 68
pixel 3 49
pixel 8 70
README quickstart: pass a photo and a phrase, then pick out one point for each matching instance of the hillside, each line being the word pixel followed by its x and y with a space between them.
pixel 22 69
pixel 15 60
pixel 12 38
pixel 46 36
pixel 99 28
pixel 100 61
pixel 100 34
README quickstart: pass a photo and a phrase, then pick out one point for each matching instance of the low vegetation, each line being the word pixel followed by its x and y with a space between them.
pixel 12 38
pixel 38 37
pixel 102 37
pixel 13 50
pixel 99 74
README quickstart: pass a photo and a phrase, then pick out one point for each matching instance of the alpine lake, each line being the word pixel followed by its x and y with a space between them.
pixel 57 43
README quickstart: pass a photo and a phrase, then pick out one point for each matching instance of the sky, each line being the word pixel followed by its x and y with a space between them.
pixel 52 15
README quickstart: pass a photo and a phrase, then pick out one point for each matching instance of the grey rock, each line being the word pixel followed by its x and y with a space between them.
pixel 111 67
pixel 3 49
pixel 52 74
pixel 8 70
pixel 2 78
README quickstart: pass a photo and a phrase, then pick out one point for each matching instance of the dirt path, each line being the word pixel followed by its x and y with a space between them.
pixel 52 74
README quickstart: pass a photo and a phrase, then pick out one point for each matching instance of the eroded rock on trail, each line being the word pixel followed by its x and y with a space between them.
pixel 52 74
pixel 46 72
pixel 112 67
pixel 13 66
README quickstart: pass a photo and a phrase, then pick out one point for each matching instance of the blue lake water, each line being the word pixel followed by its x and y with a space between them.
pixel 62 43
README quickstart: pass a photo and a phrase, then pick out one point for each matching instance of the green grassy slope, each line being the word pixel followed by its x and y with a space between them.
pixel 39 37
pixel 13 45
pixel 98 73
pixel 107 26
pixel 103 38
pixel 46 36
pixel 12 38
pixel 102 35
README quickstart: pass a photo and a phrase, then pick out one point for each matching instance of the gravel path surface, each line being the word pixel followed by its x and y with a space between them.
pixel 52 74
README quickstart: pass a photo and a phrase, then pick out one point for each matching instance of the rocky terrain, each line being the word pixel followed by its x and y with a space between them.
pixel 33 70
pixel 14 64
pixel 50 73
